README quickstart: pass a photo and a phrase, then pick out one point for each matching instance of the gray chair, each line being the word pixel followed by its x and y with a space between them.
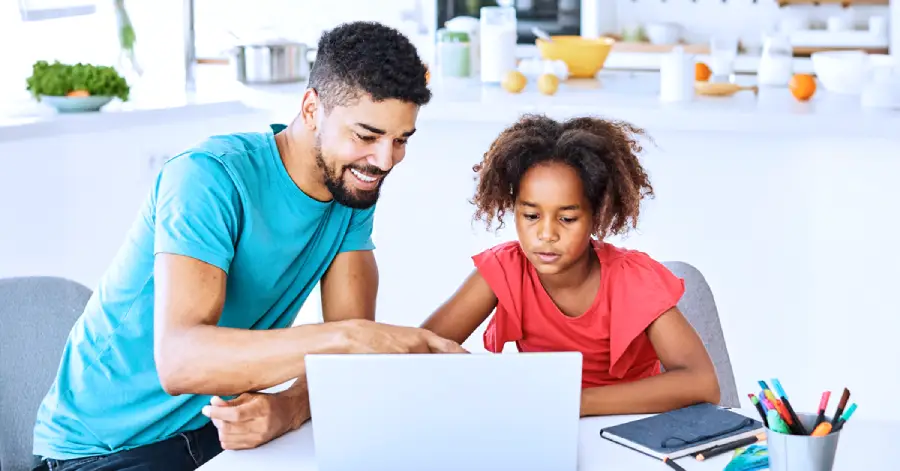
pixel 36 315
pixel 699 307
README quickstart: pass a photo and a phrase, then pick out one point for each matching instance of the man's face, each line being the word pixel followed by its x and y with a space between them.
pixel 358 145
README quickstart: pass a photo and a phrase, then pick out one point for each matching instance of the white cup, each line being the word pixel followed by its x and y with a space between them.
pixel 838 23
pixel 878 25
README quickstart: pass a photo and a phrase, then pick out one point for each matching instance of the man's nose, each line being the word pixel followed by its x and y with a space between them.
pixel 383 157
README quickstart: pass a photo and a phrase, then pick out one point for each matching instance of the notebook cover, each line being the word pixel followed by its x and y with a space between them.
pixel 690 423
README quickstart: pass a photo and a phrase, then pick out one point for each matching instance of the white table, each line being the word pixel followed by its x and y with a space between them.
pixel 865 445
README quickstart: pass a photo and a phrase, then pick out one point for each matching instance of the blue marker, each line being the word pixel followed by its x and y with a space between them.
pixel 778 389
pixel 844 418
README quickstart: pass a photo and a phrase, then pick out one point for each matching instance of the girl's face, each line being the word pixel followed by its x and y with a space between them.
pixel 554 219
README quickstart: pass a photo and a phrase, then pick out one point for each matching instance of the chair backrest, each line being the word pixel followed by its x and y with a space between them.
pixel 36 316
pixel 699 307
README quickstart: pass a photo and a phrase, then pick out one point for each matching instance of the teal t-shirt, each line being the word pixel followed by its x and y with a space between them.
pixel 228 202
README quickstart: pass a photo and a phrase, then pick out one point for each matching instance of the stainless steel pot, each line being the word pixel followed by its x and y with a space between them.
pixel 268 63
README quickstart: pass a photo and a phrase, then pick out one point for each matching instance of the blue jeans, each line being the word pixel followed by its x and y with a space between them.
pixel 184 452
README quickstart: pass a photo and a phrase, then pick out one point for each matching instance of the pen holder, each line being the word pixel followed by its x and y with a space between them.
pixel 802 452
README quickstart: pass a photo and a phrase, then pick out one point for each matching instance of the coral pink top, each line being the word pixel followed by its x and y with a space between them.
pixel 634 291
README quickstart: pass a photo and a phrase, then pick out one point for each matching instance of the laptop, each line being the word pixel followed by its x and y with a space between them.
pixel 453 412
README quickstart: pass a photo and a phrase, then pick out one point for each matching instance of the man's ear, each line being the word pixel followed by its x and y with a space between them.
pixel 310 109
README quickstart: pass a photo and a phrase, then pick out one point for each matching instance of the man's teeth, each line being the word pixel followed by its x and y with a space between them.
pixel 363 176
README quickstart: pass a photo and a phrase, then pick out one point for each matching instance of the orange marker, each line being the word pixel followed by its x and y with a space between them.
pixel 782 411
pixel 821 430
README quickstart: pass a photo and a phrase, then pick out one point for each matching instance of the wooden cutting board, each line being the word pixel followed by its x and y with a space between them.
pixel 722 89
pixel 658 48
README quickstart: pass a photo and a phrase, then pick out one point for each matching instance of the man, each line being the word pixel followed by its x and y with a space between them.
pixel 198 304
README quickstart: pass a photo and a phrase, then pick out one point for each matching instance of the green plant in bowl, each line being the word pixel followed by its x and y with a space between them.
pixel 76 87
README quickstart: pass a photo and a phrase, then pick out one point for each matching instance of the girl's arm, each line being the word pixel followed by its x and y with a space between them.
pixel 689 376
pixel 469 306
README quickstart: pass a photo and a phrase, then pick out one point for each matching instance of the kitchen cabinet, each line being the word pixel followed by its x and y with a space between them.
pixel 68 201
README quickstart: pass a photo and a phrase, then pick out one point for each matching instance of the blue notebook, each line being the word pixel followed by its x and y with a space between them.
pixel 684 431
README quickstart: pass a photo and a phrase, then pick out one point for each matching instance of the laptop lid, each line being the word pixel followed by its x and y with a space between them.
pixel 428 412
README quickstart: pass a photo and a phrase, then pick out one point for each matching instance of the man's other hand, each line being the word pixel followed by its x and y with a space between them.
pixel 253 419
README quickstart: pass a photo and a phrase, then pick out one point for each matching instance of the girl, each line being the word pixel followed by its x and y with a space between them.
pixel 559 287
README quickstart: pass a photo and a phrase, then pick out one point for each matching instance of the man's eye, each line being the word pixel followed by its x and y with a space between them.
pixel 366 138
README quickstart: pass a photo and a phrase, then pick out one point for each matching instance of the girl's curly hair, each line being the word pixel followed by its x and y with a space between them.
pixel 603 152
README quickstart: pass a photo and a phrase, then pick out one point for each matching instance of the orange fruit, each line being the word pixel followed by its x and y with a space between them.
pixel 803 86
pixel 78 93
pixel 701 72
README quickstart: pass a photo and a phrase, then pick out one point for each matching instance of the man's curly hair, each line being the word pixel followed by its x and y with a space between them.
pixel 604 153
pixel 367 58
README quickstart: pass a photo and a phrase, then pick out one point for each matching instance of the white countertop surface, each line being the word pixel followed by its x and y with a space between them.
pixel 631 96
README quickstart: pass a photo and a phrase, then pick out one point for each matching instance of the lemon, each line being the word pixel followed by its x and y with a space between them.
pixel 514 81
pixel 548 84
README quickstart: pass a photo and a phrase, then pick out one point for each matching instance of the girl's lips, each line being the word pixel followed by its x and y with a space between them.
pixel 547 257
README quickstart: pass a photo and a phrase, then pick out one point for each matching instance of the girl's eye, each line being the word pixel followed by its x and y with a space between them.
pixel 366 138
pixel 530 217
pixel 568 220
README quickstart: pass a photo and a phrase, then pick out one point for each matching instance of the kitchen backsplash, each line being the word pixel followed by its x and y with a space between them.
pixel 158 25
pixel 746 18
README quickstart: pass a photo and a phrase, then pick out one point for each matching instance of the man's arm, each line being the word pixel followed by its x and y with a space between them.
pixel 689 376
pixel 194 355
pixel 350 286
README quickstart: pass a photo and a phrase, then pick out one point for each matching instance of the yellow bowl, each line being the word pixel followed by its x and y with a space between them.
pixel 584 56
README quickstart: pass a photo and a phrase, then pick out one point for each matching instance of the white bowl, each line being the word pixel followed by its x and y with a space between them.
pixel 846 72
pixel 663 33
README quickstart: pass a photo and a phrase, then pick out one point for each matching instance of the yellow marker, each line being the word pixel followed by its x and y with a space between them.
pixel 823 429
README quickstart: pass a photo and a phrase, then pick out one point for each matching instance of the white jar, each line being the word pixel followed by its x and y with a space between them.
pixel 776 65
pixel 676 76
pixel 498 43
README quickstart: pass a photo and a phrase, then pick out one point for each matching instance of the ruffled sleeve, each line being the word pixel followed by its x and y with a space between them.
pixel 641 290
pixel 503 268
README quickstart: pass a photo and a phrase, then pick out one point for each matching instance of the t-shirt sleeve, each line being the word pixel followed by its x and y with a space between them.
pixel 197 210
pixel 503 273
pixel 642 290
pixel 359 234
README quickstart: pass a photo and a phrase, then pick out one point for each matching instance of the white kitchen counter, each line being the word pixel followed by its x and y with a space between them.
pixel 630 96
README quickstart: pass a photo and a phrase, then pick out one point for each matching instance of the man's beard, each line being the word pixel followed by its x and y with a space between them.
pixel 339 189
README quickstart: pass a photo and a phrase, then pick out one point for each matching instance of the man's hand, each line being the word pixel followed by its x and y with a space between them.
pixel 363 336
pixel 253 419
